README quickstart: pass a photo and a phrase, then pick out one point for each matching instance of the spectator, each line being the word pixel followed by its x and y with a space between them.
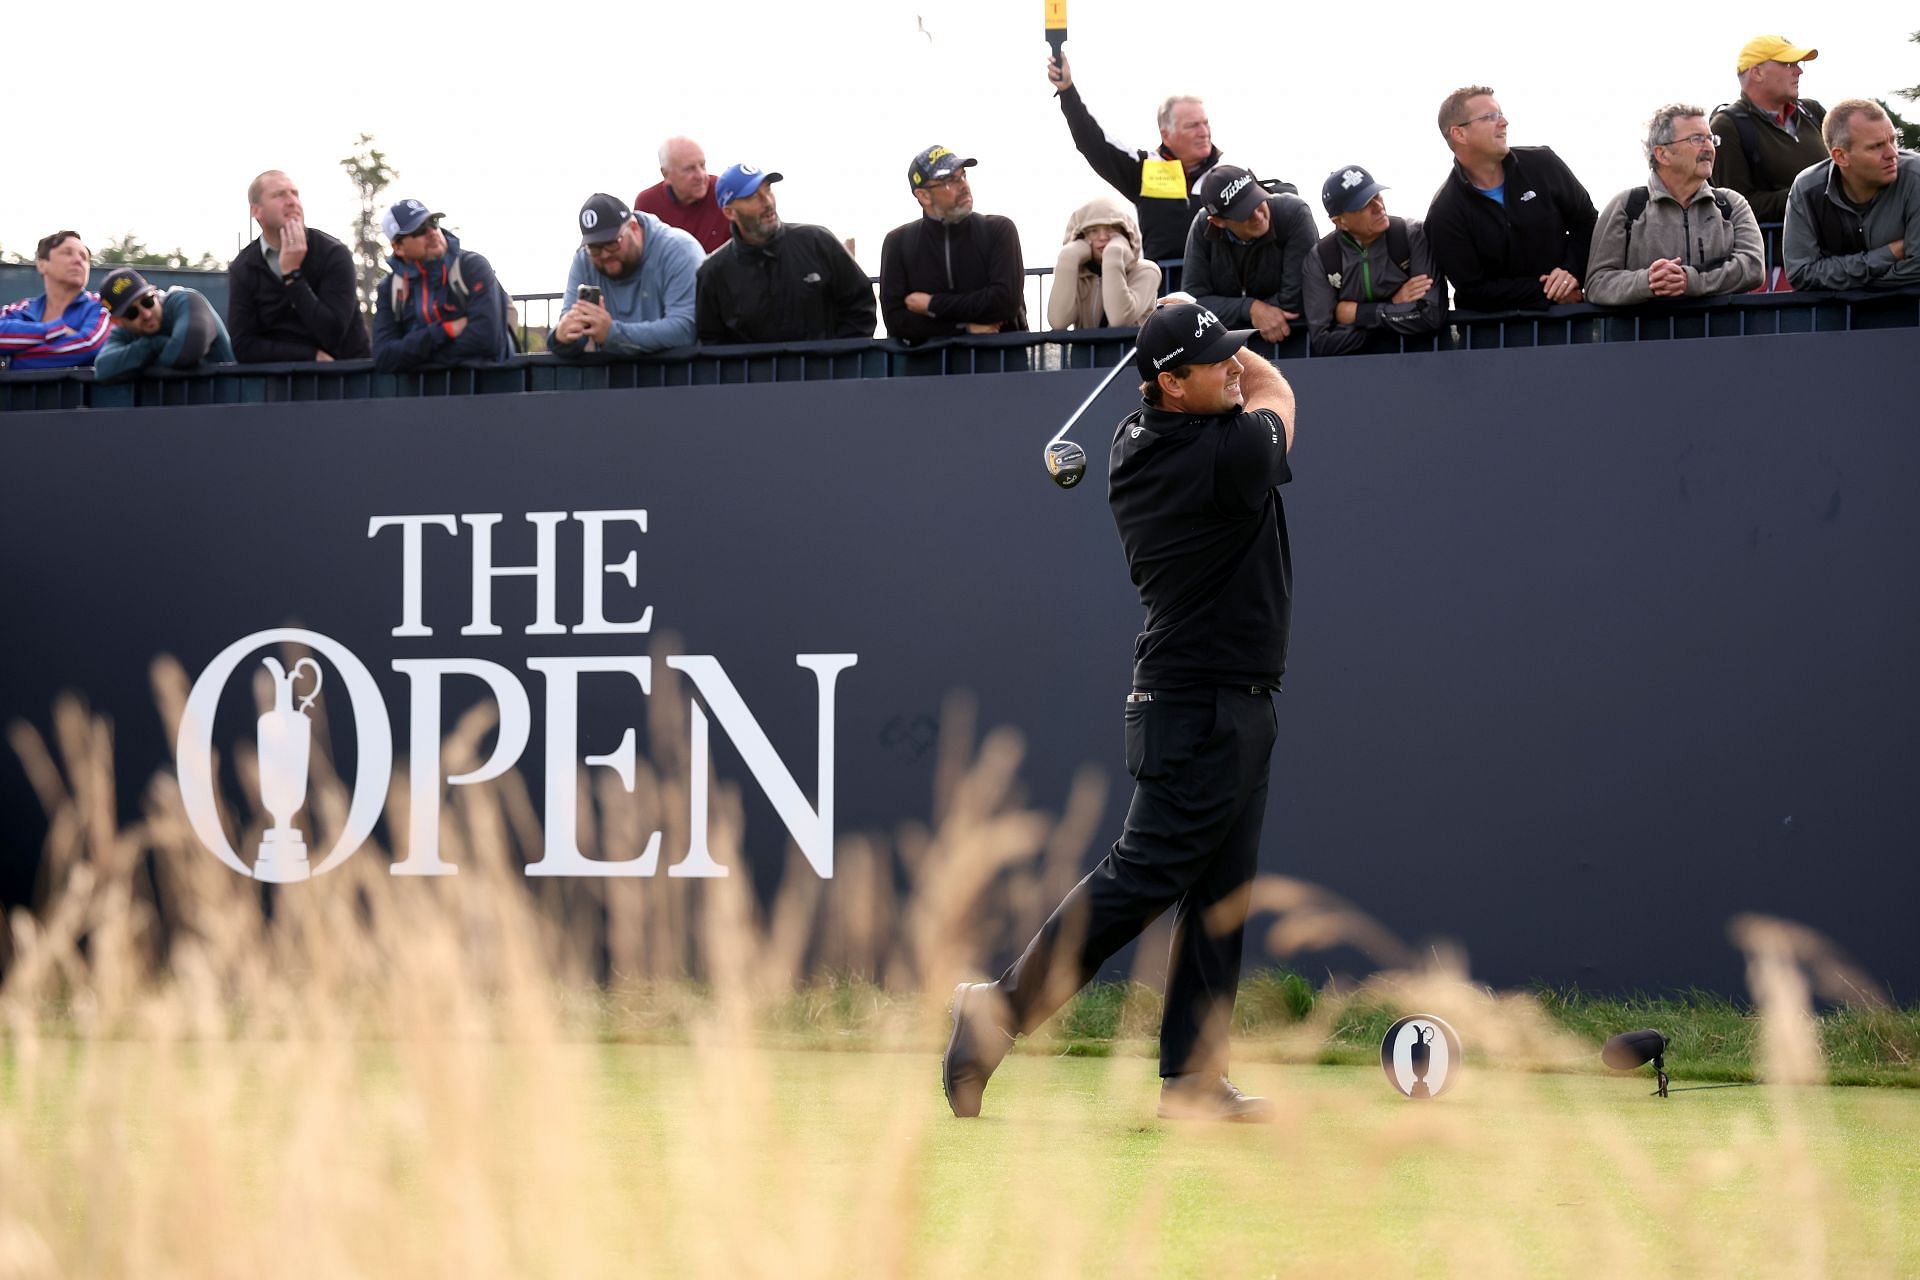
pixel 290 293
pixel 65 326
pixel 951 271
pixel 442 306
pixel 1678 236
pixel 1102 280
pixel 1371 279
pixel 175 329
pixel 1246 250
pixel 684 196
pixel 1771 134
pixel 1850 218
pixel 1510 227
pixel 1162 186
pixel 775 282
pixel 641 270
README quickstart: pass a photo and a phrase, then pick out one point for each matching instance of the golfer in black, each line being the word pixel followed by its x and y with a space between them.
pixel 1193 481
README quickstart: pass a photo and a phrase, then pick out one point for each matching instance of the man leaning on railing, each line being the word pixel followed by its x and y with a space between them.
pixel 1679 236
pixel 1851 218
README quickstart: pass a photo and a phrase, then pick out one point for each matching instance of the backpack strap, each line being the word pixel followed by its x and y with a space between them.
pixel 1635 206
pixel 1749 131
pixel 1329 253
pixel 1399 244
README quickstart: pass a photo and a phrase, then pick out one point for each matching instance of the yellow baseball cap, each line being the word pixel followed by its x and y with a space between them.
pixel 1772 49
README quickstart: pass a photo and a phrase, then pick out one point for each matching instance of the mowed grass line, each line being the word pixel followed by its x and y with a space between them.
pixel 1280 1017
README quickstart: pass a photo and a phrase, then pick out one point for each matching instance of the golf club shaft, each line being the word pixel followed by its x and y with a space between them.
pixel 1112 373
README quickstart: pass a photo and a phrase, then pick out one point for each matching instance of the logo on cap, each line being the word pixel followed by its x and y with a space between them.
pixel 1206 318
pixel 589 218
pixel 1352 178
pixel 1234 188
pixel 1161 362
pixel 121 285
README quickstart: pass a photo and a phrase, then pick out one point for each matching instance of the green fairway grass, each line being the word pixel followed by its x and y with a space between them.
pixel 705 1159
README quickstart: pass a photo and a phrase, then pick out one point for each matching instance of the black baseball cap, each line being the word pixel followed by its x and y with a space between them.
pixel 1348 188
pixel 936 163
pixel 1184 333
pixel 1231 193
pixel 122 290
pixel 601 218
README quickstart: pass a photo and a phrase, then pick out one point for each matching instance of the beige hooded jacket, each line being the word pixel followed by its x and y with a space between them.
pixel 1115 292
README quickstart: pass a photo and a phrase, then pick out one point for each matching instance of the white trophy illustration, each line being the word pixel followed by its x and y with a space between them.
pixel 286 734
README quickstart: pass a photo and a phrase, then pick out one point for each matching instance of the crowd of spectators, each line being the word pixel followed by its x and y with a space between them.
pixel 705 258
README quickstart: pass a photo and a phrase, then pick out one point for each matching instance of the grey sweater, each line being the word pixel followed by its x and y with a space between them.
pixel 1892 215
pixel 1719 254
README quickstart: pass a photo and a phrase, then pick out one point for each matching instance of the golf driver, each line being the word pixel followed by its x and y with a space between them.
pixel 1067 461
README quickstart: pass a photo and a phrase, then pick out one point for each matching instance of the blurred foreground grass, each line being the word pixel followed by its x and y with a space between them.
pixel 704 1158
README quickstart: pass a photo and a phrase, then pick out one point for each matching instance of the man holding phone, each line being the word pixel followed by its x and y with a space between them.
pixel 631 287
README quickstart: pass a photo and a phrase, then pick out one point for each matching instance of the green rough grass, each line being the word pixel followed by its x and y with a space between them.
pixel 1714 1038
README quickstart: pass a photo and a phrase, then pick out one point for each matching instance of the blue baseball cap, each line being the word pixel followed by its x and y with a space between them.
pixel 1348 188
pixel 740 181
pixel 405 218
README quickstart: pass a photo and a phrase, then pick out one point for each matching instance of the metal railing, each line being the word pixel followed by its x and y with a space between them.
pixel 1744 316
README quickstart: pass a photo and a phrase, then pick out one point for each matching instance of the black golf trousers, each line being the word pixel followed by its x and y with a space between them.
pixel 1199 759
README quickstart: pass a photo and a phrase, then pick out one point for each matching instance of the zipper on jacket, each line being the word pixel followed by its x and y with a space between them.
pixel 1366 267
pixel 946 242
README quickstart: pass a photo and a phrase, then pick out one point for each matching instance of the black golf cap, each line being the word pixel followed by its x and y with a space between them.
pixel 1184 333
pixel 601 218
pixel 122 290
pixel 936 164
pixel 1348 188
pixel 1231 193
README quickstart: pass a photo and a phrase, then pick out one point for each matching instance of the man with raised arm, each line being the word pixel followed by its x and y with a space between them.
pixel 1161 184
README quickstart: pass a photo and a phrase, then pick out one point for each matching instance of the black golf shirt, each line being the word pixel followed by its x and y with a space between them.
pixel 1197 503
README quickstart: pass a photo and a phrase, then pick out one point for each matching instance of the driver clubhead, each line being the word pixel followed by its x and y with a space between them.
pixel 1632 1049
pixel 1066 463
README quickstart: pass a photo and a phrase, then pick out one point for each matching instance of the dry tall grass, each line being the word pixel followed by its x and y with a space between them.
pixel 364 1075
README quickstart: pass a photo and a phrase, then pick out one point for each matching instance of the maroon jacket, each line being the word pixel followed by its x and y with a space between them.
pixel 702 219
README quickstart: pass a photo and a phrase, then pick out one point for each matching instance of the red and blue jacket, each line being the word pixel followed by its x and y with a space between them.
pixel 415 308
pixel 30 341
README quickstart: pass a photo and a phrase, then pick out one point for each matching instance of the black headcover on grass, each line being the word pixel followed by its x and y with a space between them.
pixel 1632 1049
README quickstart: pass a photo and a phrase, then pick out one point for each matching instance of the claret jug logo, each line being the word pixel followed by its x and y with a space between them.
pixel 284 731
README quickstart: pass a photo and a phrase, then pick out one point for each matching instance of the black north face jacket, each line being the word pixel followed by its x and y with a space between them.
pixel 1494 254
pixel 801 286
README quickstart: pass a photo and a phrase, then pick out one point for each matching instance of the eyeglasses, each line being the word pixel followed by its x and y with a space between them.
pixel 957 178
pixel 606 248
pixel 1490 115
pixel 1697 140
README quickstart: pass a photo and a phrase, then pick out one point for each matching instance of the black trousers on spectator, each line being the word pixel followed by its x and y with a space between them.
pixel 1199 758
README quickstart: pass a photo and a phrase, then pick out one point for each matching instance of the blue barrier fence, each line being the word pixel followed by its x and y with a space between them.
pixel 1746 315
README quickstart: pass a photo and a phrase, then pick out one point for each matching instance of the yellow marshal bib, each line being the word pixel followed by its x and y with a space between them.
pixel 1163 180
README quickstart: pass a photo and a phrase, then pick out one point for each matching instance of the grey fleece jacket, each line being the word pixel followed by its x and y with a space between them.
pixel 1892 215
pixel 1719 255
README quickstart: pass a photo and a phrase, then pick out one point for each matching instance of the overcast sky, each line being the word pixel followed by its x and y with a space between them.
pixel 507 121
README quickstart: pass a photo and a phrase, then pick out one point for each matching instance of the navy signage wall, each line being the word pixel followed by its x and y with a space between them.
pixel 1594 647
